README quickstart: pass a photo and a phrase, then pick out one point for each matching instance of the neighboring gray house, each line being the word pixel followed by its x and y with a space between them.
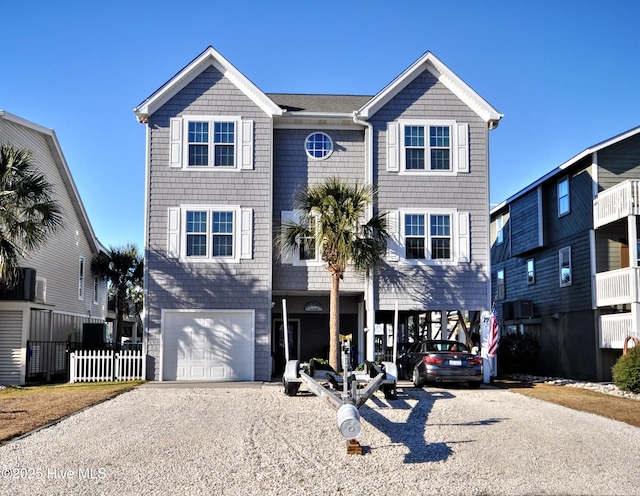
pixel 223 162
pixel 564 259
pixel 58 293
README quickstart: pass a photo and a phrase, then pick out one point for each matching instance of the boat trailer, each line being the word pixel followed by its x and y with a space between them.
pixel 345 392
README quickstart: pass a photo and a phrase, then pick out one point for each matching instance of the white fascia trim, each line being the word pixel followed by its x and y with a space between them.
pixel 446 76
pixel 209 57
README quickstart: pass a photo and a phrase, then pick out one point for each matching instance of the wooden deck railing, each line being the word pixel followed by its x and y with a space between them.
pixel 616 203
pixel 615 328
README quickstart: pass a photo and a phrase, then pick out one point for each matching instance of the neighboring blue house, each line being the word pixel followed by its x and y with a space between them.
pixel 223 161
pixel 564 259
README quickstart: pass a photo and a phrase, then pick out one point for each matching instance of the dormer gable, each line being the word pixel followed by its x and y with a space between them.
pixel 429 62
pixel 210 57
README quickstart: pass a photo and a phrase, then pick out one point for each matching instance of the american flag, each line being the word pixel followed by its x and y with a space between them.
pixel 492 342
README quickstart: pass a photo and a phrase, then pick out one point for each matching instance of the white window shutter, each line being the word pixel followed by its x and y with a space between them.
pixel 464 238
pixel 393 243
pixel 393 147
pixel 287 256
pixel 173 233
pixel 246 233
pixel 175 142
pixel 246 148
pixel 462 147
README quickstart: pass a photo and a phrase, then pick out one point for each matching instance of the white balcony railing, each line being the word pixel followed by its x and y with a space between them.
pixel 618 287
pixel 615 328
pixel 616 203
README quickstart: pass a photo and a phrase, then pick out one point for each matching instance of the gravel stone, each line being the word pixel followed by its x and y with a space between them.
pixel 252 439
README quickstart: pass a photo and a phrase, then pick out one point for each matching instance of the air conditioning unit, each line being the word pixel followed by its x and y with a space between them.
pixel 523 309
pixel 507 310
pixel 41 289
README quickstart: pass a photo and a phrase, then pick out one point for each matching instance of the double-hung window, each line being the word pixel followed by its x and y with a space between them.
pixel 564 256
pixel 211 143
pixel 427 236
pixel 209 234
pixel 427 147
pixel 564 205
pixel 437 147
pixel 211 149
pixel 500 229
pixel 500 285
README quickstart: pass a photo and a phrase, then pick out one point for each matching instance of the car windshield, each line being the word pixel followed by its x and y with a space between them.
pixel 446 346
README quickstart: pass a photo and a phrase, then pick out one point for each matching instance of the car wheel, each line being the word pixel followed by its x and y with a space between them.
pixel 417 379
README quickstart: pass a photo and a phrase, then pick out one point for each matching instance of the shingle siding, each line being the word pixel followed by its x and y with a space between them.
pixel 462 286
pixel 293 169
pixel 176 285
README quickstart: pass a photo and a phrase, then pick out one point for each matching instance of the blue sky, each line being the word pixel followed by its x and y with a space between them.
pixel 564 73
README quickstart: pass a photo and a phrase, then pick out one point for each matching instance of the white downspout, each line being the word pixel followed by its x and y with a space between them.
pixel 368 289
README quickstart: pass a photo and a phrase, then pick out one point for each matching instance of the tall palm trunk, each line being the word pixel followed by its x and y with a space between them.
pixel 334 322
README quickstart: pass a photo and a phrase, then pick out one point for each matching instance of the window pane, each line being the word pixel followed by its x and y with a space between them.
pixel 440 248
pixel 440 160
pixel 414 136
pixel 319 145
pixel 415 248
pixel 196 222
pixel 414 159
pixel 414 225
pixel 198 155
pixel 440 225
pixel 224 155
pixel 222 222
pixel 439 136
pixel 224 132
pixel 223 246
pixel 196 245
pixel 307 249
pixel 198 132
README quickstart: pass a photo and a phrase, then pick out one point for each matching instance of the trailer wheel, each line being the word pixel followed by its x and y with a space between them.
pixel 291 388
pixel 390 391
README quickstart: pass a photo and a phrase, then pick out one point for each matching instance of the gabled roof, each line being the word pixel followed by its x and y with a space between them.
pixel 561 168
pixel 446 76
pixel 209 57
pixel 58 157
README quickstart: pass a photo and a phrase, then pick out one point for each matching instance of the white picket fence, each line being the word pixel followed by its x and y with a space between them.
pixel 106 365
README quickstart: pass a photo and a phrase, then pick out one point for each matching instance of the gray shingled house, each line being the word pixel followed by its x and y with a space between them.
pixel 222 164
pixel 564 259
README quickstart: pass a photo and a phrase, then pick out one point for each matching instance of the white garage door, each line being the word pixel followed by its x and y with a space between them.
pixel 208 346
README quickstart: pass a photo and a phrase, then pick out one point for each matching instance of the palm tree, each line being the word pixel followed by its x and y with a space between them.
pixel 332 215
pixel 28 213
pixel 123 268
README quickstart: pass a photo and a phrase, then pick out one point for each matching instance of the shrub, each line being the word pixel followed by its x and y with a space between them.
pixel 626 371
pixel 518 353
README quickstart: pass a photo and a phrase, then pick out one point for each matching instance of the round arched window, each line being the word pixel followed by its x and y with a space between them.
pixel 318 145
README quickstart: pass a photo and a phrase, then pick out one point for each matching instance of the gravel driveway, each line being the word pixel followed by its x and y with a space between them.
pixel 252 439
